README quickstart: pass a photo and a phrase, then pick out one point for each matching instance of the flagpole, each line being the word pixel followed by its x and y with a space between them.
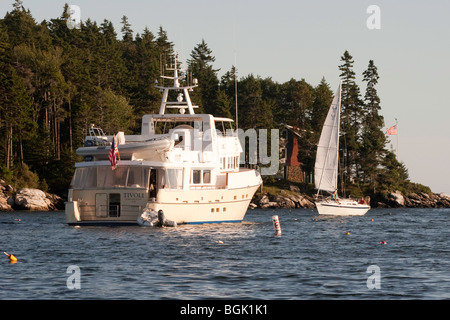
pixel 396 125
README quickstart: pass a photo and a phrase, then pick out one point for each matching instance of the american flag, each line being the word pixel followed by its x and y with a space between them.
pixel 392 130
pixel 113 153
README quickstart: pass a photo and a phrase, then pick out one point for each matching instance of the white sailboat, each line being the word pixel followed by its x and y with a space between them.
pixel 326 167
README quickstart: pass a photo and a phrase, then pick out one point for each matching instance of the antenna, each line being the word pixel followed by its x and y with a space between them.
pixel 235 93
pixel 235 72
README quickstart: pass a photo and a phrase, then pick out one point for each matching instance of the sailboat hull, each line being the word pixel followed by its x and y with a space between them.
pixel 342 208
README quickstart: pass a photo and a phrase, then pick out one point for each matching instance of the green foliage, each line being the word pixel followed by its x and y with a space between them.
pixel 115 112
pixel 255 110
pixel 351 117
pixel 200 65
pixel 20 176
pixel 373 139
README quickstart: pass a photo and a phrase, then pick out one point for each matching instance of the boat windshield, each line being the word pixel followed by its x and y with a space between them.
pixel 104 177
pixel 163 127
pixel 224 128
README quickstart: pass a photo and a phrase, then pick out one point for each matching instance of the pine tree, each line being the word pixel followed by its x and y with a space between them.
pixel 15 107
pixel 200 65
pixel 127 32
pixel 323 97
pixel 254 111
pixel 146 98
pixel 115 112
pixel 373 138
pixel 296 102
pixel 228 82
pixel 224 105
pixel 351 116
pixel 393 175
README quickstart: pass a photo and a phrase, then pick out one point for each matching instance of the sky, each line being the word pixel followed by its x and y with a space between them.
pixel 298 39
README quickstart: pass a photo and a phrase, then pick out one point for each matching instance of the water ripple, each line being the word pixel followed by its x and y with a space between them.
pixel 315 258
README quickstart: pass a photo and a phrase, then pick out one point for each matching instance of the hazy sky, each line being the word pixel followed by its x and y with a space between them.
pixel 298 39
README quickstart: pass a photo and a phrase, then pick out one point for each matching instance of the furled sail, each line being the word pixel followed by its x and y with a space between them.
pixel 327 157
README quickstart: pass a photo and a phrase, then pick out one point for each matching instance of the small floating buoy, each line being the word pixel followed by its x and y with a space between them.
pixel 383 242
pixel 220 242
pixel 276 225
pixel 11 257
pixel 372 220
pixel 346 232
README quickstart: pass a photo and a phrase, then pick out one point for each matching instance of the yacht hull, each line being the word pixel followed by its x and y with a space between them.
pixel 183 207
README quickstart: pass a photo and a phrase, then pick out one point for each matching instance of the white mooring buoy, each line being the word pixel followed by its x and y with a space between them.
pixel 276 225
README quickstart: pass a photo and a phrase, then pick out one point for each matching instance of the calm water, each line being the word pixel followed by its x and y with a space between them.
pixel 314 258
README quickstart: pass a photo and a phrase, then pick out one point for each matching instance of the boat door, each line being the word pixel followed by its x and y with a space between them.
pixel 114 204
pixel 152 192
pixel 101 205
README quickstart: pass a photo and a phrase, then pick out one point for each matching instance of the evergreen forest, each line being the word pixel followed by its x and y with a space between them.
pixel 55 81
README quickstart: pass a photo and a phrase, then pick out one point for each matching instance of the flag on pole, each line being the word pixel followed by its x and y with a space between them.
pixel 392 130
pixel 113 153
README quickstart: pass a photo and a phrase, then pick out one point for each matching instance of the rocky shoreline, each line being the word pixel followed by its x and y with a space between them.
pixel 292 199
pixel 28 199
pixel 38 200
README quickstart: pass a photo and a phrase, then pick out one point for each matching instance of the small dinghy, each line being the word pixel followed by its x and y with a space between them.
pixel 149 149
pixel 151 218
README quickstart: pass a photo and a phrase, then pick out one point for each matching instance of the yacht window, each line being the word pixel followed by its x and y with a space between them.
pixel 137 177
pixel 206 176
pixel 196 176
pixel 174 178
pixel 104 177
pixel 85 178
pixel 112 178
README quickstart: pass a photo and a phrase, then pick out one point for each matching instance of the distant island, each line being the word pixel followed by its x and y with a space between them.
pixel 57 80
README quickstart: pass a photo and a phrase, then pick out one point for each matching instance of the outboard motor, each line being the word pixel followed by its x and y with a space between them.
pixel 161 218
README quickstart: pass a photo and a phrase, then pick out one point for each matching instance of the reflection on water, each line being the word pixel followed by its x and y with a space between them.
pixel 316 257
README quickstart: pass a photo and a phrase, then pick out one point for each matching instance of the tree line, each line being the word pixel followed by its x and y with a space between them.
pixel 55 81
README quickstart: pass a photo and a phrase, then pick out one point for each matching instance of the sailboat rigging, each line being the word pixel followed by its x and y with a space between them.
pixel 326 166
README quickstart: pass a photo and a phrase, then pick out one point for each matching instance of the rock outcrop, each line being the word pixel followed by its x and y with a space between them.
pixel 396 199
pixel 27 199
pixel 33 199
pixel 285 199
pixel 5 196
